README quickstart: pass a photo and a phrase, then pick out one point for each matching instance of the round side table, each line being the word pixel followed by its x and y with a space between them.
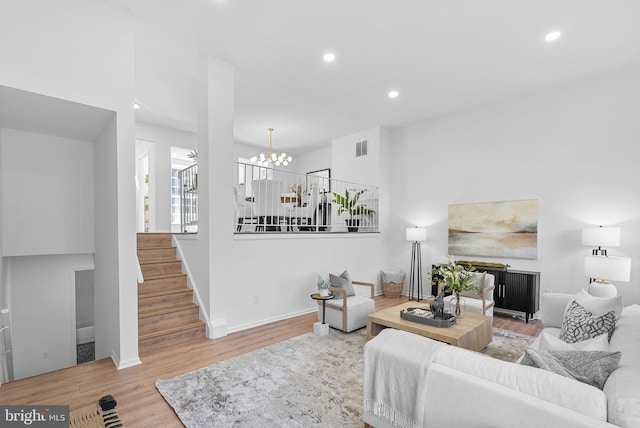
pixel 322 328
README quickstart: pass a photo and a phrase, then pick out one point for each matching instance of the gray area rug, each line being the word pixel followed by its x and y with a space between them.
pixel 306 381
pixel 507 345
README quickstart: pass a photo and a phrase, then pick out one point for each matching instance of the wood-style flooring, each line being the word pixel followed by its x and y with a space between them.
pixel 139 403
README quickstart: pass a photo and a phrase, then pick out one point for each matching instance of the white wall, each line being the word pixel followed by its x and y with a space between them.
pixel 572 147
pixel 3 298
pixel 48 194
pixel 85 298
pixel 43 311
pixel 107 311
pixel 88 57
pixel 281 273
pixel 312 161
pixel 364 169
pixel 160 168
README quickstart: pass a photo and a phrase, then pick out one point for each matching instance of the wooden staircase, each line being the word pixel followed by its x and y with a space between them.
pixel 167 314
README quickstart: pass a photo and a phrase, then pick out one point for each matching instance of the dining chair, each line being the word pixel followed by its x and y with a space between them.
pixel 244 210
pixel 268 208
pixel 305 217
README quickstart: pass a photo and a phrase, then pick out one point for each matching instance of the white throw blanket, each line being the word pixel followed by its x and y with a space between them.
pixel 395 377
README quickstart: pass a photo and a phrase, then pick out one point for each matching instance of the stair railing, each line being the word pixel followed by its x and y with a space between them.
pixel 188 179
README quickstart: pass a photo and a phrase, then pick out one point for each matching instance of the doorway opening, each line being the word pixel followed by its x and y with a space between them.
pixel 85 316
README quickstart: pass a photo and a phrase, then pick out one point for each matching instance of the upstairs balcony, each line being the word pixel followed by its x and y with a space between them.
pixel 267 200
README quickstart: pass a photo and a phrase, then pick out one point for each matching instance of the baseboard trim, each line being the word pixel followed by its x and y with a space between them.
pixel 126 363
pixel 270 320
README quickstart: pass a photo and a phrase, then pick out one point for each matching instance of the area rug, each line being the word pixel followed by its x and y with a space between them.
pixel 507 345
pixel 306 381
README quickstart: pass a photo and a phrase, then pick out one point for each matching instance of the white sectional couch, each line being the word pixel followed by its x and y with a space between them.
pixel 411 380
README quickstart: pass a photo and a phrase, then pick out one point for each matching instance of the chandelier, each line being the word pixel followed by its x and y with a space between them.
pixel 263 160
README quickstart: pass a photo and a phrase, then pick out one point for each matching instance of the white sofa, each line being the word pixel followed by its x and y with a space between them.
pixel 413 381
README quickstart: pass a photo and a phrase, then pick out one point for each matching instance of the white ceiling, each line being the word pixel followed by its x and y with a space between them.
pixel 442 56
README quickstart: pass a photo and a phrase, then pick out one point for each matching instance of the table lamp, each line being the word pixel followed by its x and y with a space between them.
pixel 601 237
pixel 605 269
pixel 416 235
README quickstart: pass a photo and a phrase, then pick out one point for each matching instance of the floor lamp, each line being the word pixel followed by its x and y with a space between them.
pixel 415 235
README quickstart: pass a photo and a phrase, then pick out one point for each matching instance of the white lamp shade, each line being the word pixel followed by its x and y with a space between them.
pixel 601 236
pixel 415 234
pixel 607 268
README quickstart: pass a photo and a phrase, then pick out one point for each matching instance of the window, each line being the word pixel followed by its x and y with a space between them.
pixel 175 196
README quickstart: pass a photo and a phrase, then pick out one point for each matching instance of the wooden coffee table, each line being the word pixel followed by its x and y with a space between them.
pixel 474 331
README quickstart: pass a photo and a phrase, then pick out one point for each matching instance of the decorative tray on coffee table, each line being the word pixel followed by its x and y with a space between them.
pixel 424 316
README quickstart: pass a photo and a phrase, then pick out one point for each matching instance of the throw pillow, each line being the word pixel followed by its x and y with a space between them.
pixel 579 324
pixel 343 281
pixel 549 342
pixel 590 367
pixel 599 305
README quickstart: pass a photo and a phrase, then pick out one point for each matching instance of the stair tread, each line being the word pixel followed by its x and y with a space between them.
pixel 163 276
pixel 166 310
pixel 166 292
pixel 160 261
pixel 181 327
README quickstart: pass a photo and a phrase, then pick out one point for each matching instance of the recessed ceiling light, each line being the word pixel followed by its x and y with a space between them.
pixel 554 35
pixel 393 94
pixel 329 57
pixel 136 106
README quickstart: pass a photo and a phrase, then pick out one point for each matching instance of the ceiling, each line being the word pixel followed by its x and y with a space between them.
pixel 441 56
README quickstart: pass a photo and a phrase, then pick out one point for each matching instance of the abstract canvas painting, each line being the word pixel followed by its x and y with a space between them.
pixel 494 229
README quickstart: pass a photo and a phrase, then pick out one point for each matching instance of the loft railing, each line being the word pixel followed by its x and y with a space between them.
pixel 188 179
pixel 267 200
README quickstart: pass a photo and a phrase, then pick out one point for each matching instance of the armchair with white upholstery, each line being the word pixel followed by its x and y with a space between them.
pixel 480 299
pixel 349 312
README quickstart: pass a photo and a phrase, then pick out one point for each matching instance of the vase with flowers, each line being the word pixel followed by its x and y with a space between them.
pixel 456 278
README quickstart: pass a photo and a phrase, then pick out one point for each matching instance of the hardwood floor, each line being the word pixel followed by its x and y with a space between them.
pixel 139 403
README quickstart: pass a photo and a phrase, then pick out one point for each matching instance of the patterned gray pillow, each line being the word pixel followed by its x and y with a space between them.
pixel 579 324
pixel 590 367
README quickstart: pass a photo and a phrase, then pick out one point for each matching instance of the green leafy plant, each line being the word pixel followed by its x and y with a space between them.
pixel 350 203
pixel 324 285
pixel 193 155
pixel 456 277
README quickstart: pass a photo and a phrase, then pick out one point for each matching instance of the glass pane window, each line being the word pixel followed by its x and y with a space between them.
pixel 175 196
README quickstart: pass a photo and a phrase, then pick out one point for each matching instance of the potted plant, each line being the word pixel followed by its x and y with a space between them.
pixel 456 278
pixel 350 203
pixel 323 287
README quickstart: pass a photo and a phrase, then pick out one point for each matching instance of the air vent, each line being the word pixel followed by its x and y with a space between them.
pixel 361 148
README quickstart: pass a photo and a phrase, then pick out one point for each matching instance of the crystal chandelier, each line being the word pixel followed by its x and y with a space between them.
pixel 263 160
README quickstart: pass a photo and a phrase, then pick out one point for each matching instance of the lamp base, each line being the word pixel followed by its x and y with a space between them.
pixel 602 289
